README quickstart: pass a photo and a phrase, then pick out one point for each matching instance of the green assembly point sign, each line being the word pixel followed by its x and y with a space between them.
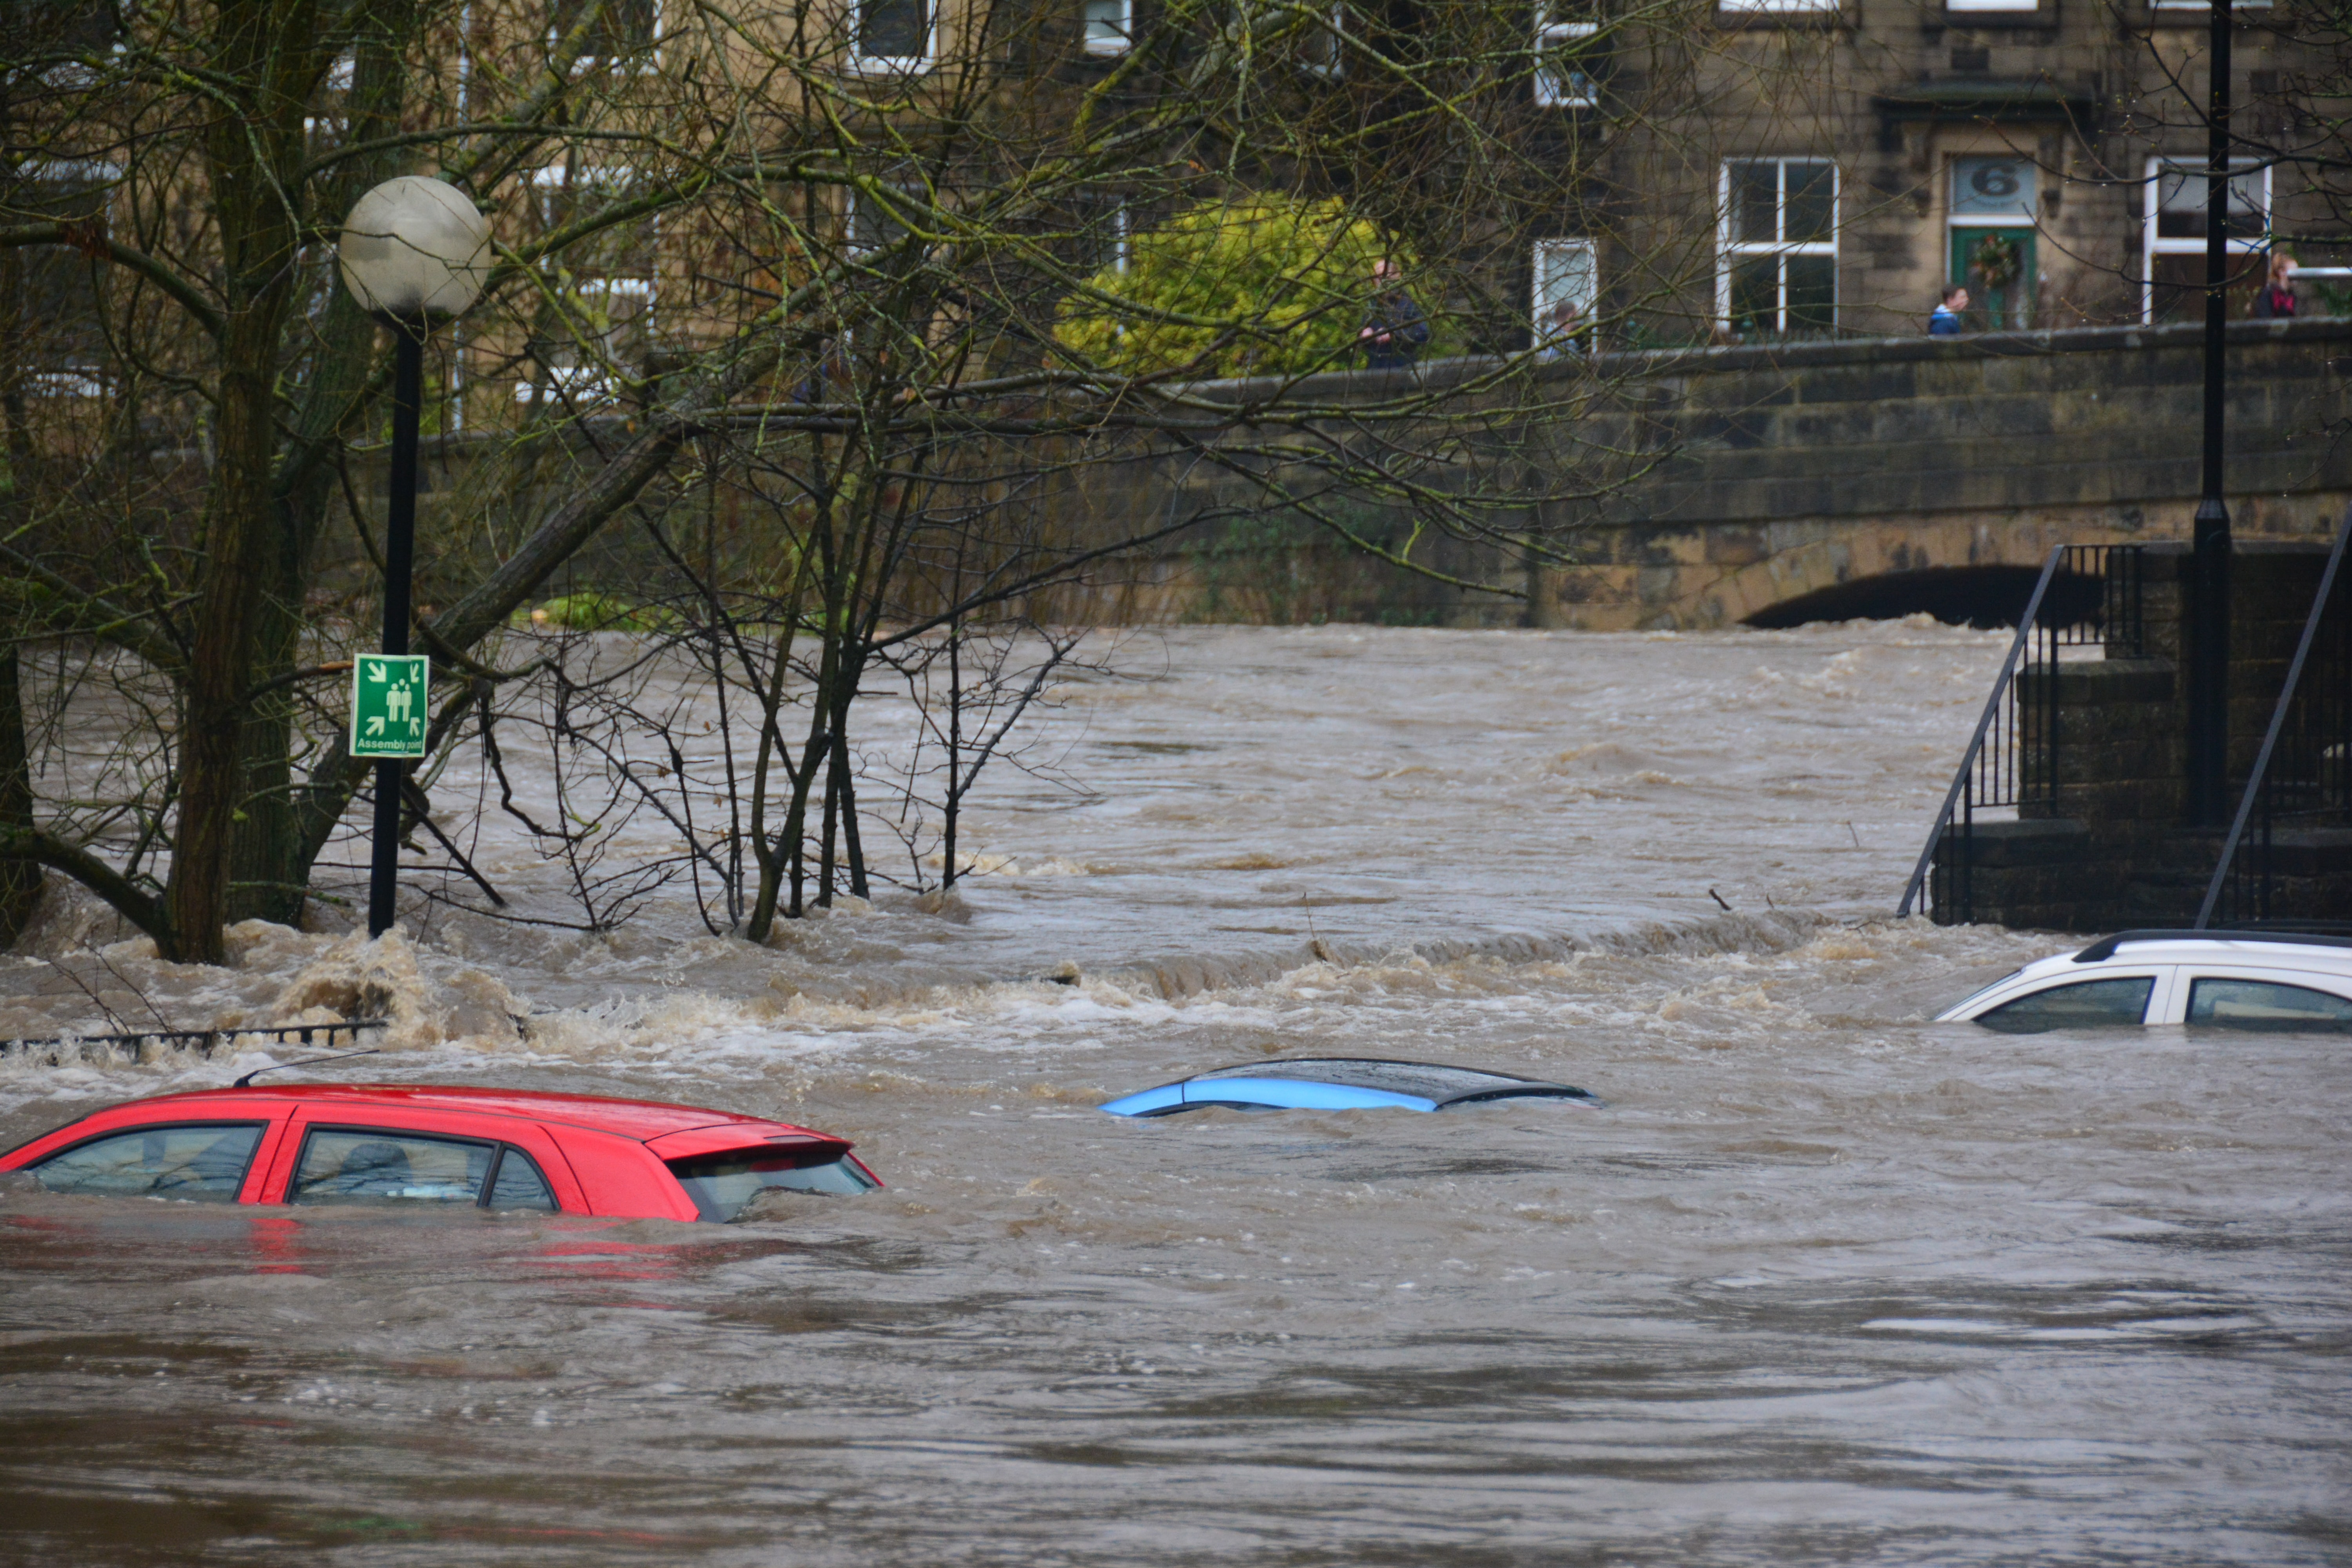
pixel 388 705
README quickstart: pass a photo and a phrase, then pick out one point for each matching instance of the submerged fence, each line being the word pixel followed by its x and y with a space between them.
pixel 144 1045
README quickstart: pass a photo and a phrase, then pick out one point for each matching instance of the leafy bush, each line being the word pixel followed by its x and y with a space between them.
pixel 1265 285
pixel 596 612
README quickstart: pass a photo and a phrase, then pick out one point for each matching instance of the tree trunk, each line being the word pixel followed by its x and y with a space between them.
pixel 20 881
pixel 251 156
pixel 268 868
pixel 825 839
pixel 853 849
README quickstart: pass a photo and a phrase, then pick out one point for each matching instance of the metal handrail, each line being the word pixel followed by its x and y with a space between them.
pixel 2278 721
pixel 203 1041
pixel 1976 742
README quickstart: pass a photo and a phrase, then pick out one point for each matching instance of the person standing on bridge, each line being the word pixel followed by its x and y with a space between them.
pixel 1946 321
pixel 2274 300
pixel 1394 329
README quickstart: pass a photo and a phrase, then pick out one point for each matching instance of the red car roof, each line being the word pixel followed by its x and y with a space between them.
pixel 640 1119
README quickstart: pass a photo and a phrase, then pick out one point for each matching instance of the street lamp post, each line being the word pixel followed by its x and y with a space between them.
pixel 414 253
pixel 2209 627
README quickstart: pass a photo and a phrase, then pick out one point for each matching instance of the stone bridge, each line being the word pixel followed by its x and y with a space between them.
pixel 1824 481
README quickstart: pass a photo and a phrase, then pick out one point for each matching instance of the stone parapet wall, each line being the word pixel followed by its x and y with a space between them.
pixel 1763 476
pixel 2119 751
pixel 2059 874
pixel 1768 474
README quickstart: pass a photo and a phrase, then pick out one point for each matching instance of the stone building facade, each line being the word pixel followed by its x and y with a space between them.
pixel 1844 160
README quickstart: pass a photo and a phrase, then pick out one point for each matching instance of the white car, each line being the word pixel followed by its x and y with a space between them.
pixel 2279 980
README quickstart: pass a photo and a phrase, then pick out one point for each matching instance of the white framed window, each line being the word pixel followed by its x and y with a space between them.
pixel 62 326
pixel 1562 80
pixel 1322 54
pixel 2009 6
pixel 870 223
pixel 1110 25
pixel 1777 271
pixel 2173 223
pixel 602 319
pixel 1774 7
pixel 2205 7
pixel 86 27
pixel 79 174
pixel 1994 191
pixel 324 129
pixel 566 190
pixel 1566 287
pixel 1108 232
pixel 623 34
pixel 605 287
pixel 892 37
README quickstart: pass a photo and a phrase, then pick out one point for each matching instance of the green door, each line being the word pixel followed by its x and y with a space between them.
pixel 2000 284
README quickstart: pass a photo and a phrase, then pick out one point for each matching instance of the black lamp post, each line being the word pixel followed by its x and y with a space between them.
pixel 2208 588
pixel 413 254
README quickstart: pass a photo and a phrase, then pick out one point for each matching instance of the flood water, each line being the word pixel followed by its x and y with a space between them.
pixel 1822 1283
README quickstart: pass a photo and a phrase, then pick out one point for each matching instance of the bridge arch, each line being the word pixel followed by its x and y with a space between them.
pixel 1984 596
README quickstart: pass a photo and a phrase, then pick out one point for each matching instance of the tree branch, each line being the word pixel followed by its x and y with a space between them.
pixel 82 238
pixel 135 904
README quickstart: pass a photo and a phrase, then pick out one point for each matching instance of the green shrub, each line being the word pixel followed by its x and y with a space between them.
pixel 1270 286
pixel 596 612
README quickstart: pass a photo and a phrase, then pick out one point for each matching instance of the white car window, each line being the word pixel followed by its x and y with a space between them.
pixel 2076 1004
pixel 2223 1001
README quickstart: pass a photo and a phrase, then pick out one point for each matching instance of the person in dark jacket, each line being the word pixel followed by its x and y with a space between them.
pixel 1395 330
pixel 2274 300
pixel 1946 321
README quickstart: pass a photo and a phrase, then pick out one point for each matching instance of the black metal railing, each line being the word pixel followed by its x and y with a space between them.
pixel 134 1046
pixel 2088 596
pixel 2302 774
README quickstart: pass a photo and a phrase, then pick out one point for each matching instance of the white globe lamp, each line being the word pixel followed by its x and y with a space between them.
pixel 414 251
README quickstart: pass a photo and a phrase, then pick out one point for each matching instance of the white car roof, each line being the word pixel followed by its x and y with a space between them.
pixel 2246 950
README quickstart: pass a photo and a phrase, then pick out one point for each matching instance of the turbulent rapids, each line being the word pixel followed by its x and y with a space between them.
pixel 1821 1281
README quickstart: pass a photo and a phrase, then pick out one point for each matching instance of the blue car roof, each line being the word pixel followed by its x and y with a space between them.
pixel 1321 1083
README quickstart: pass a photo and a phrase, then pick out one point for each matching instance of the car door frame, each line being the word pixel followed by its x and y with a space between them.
pixel 476 1127
pixel 120 1120
pixel 2159 994
pixel 2301 979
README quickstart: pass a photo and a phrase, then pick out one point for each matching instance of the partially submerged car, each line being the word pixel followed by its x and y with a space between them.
pixel 1340 1083
pixel 2273 981
pixel 418 1146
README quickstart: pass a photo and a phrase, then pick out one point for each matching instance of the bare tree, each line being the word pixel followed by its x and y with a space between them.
pixel 813 263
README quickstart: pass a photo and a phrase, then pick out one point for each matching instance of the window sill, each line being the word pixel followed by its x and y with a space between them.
pixel 1790 20
pixel 2243 14
pixel 2040 18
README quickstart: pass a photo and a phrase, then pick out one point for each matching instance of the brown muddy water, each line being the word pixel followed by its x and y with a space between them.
pixel 1823 1283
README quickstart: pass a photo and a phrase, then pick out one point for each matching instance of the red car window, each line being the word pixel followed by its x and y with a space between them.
pixel 195 1162
pixel 531 1175
pixel 517 1184
pixel 377 1165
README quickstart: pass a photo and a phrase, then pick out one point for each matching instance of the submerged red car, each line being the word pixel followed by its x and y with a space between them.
pixel 408 1145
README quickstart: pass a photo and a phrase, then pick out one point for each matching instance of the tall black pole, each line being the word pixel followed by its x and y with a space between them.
pixel 399 549
pixel 2209 630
